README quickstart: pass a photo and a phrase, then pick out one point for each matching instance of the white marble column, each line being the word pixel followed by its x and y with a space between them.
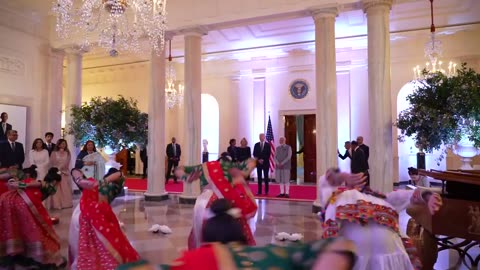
pixel 156 130
pixel 73 95
pixel 379 94
pixel 55 93
pixel 193 115
pixel 326 90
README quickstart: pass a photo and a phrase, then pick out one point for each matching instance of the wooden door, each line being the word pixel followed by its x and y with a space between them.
pixel 291 138
pixel 310 149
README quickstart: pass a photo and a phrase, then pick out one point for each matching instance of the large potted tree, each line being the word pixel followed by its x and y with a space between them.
pixel 111 123
pixel 444 113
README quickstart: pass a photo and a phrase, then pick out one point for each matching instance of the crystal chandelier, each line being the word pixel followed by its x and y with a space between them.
pixel 433 51
pixel 173 96
pixel 113 24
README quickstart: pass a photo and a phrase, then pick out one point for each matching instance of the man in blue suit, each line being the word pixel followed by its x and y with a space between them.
pixel 261 152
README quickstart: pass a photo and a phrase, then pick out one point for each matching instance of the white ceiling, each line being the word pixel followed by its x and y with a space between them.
pixel 238 26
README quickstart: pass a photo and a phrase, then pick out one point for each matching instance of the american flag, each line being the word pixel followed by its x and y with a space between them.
pixel 271 141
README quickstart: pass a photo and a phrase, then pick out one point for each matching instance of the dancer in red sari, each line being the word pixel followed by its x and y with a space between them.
pixel 101 244
pixel 27 237
pixel 9 173
pixel 221 179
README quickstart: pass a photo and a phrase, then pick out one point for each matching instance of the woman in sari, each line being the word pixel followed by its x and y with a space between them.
pixel 96 240
pixel 90 162
pixel 27 237
pixel 225 248
pixel 221 179
pixel 371 219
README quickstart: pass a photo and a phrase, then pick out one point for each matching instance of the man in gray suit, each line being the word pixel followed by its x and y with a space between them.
pixel 283 160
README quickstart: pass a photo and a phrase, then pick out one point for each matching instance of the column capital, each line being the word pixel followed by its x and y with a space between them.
pixel 320 12
pixel 75 50
pixel 197 30
pixel 54 52
pixel 367 4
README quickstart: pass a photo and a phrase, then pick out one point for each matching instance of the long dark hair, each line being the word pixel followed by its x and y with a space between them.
pixel 60 141
pixel 35 142
pixel 85 146
pixel 222 227
pixel 52 176
pixel 31 171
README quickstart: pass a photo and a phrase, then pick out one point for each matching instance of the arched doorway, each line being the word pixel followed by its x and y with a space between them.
pixel 211 125
pixel 407 152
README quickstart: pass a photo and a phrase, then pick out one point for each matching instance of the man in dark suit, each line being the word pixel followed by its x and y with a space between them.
pixel 4 127
pixel 11 151
pixel 144 158
pixel 348 151
pixel 173 153
pixel 48 143
pixel 261 152
pixel 359 161
pixel 365 149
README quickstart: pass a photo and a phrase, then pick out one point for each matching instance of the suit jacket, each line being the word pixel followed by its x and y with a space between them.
pixel 3 135
pixel 265 154
pixel 10 158
pixel 178 152
pixel 344 156
pixel 50 150
pixel 366 150
pixel 359 161
pixel 233 152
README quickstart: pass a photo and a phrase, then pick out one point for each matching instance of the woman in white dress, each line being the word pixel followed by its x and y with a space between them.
pixel 39 157
pixel 90 161
pixel 60 159
pixel 371 219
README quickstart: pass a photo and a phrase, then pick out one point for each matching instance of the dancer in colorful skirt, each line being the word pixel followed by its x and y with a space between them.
pixel 221 179
pixel 371 219
pixel 96 240
pixel 225 248
pixel 27 237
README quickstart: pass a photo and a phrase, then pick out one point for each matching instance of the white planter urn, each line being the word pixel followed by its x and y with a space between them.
pixel 466 150
pixel 111 163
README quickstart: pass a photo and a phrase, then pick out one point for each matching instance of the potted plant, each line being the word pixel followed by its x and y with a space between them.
pixel 111 123
pixel 444 113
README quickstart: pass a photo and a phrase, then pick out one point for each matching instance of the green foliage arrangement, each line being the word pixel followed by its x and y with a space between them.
pixel 443 109
pixel 109 122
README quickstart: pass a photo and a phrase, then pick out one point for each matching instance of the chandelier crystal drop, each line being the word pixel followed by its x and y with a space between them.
pixel 173 90
pixel 433 52
pixel 117 25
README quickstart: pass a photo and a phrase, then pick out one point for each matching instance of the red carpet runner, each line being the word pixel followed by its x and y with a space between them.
pixel 297 193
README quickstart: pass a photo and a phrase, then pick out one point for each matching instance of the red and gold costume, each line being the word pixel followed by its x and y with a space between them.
pixel 99 242
pixel 216 182
pixel 27 236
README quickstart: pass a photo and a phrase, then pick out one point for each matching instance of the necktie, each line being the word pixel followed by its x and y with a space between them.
pixel 261 146
pixel 174 150
pixel 49 146
pixel 13 146
pixel 4 127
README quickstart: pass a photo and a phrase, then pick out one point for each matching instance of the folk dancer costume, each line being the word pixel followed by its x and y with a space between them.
pixel 6 174
pixel 27 237
pixel 233 256
pixel 216 182
pixel 96 240
pixel 371 221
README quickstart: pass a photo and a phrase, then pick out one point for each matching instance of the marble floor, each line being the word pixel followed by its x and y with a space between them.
pixel 273 216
